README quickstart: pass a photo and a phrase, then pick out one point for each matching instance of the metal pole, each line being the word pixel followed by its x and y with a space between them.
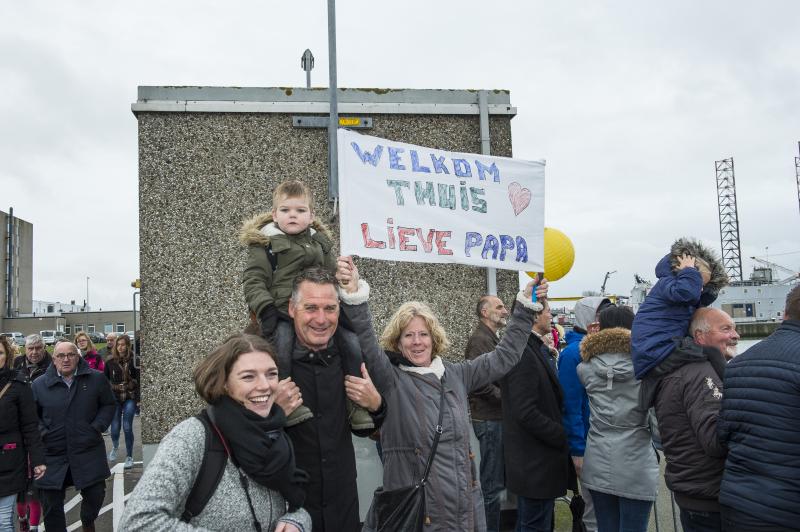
pixel 87 295
pixel 9 261
pixel 486 149
pixel 333 121
pixel 135 351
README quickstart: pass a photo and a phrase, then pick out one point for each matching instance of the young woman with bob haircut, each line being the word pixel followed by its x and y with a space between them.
pixel 260 488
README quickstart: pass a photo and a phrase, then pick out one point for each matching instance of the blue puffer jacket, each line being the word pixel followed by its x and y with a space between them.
pixel 759 423
pixel 664 317
pixel 576 401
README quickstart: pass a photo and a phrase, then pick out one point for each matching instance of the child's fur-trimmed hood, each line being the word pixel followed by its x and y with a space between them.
pixel 614 340
pixel 688 246
pixel 252 233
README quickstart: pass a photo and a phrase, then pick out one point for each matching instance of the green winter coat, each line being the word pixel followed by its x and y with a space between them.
pixel 265 285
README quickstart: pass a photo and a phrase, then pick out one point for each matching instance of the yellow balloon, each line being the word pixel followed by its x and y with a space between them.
pixel 559 255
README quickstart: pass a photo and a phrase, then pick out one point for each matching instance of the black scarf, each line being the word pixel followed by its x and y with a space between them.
pixel 261 448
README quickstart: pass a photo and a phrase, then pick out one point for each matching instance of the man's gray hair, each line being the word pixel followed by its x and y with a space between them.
pixel 33 339
pixel 699 322
pixel 316 275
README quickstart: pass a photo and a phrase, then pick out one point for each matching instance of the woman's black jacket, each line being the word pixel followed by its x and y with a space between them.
pixel 19 433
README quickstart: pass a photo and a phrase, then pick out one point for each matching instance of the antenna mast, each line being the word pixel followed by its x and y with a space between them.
pixel 728 219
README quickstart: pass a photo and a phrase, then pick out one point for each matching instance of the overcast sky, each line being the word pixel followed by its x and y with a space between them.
pixel 630 102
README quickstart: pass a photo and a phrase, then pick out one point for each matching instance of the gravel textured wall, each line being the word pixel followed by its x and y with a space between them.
pixel 200 175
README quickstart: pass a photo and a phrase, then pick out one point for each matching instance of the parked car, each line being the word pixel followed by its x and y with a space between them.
pixel 96 337
pixel 16 337
pixel 51 337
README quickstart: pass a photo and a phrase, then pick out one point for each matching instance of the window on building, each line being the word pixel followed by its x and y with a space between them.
pixel 78 328
pixel 68 329
pixel 108 327
pixel 120 327
pixel 90 328
pixel 51 309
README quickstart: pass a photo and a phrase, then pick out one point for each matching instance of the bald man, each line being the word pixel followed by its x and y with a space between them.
pixel 713 327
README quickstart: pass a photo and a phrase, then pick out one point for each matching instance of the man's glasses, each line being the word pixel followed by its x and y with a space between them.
pixel 62 356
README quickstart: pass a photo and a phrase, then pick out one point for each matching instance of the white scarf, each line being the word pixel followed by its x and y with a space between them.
pixel 436 367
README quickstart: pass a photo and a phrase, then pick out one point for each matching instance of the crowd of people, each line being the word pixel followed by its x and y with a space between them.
pixel 54 410
pixel 272 449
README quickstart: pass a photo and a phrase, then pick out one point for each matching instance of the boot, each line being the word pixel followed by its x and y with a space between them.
pixel 87 528
pixel 359 417
pixel 301 413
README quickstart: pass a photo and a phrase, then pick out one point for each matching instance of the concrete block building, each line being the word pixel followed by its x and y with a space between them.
pixel 210 157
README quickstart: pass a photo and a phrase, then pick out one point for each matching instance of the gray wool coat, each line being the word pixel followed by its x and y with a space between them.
pixel 453 493
pixel 159 498
pixel 620 459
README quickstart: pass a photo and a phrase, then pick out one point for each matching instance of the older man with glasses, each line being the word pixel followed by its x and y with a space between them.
pixel 75 405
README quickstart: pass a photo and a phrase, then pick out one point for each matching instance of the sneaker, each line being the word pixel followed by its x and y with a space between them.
pixel 112 455
pixel 129 462
pixel 359 417
pixel 300 414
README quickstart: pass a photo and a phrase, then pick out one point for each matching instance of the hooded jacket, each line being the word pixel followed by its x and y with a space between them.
pixel 453 493
pixel 576 402
pixel 291 254
pixel 620 459
pixel 664 317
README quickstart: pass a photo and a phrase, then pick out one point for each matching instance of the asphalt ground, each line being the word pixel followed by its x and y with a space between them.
pixel 105 521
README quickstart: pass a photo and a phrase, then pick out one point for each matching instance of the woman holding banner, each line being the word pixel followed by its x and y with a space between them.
pixel 426 394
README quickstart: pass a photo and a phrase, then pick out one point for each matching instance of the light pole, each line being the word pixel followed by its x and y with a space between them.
pixel 86 308
pixel 333 120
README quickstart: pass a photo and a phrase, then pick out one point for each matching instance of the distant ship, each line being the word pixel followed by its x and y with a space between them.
pixel 760 299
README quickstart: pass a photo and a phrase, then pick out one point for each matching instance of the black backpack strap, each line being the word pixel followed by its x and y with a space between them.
pixel 214 459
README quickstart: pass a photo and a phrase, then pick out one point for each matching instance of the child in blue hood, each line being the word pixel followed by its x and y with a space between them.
pixel 689 277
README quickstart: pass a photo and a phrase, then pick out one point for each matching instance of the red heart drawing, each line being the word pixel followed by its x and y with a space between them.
pixel 520 197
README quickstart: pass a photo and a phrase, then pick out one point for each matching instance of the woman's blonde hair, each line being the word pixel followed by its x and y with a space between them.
pixel 212 372
pixel 90 348
pixel 390 339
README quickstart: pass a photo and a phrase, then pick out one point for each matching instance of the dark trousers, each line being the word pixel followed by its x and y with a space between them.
pixel 534 515
pixel 620 514
pixel 694 521
pixel 53 505
pixel 490 438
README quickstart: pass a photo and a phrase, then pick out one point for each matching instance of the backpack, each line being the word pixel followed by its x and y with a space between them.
pixel 215 458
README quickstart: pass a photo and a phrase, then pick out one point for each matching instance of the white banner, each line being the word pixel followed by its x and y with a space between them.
pixel 410 203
